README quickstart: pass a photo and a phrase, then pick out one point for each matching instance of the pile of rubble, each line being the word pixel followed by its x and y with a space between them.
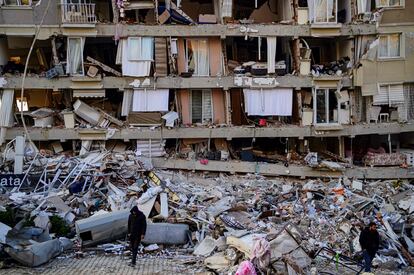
pixel 250 223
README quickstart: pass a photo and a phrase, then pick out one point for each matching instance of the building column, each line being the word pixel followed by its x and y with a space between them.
pixel 341 141
pixel 227 106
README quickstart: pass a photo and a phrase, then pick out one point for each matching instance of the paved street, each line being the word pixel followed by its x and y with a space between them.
pixel 109 265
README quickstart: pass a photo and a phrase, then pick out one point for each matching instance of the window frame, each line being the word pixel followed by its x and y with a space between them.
pixel 401 5
pixel 18 4
pixel 140 41
pixel 186 54
pixel 68 54
pixel 327 90
pixel 335 3
pixel 191 105
pixel 401 46
pixel 390 103
pixel 25 104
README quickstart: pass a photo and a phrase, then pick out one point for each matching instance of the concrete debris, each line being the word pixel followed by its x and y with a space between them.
pixel 39 253
pixel 249 223
pixel 4 229
pixel 205 247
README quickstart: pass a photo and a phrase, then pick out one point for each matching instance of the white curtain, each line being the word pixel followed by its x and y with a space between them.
pixel 394 45
pixel 75 56
pixel 268 102
pixel 126 103
pixel 134 47
pixel 227 7
pixel 364 6
pixel 320 10
pixel 271 54
pixel 311 9
pixel 383 46
pixel 137 55
pixel 150 100
pixel 118 60
pixel 200 56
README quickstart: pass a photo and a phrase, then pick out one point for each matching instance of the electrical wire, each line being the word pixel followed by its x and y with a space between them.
pixel 26 65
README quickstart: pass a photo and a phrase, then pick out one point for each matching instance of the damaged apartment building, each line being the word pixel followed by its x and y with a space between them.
pixel 279 87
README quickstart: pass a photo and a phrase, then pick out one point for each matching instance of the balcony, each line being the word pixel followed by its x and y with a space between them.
pixel 78 14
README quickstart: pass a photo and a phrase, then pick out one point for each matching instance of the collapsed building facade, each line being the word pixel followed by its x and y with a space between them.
pixel 288 87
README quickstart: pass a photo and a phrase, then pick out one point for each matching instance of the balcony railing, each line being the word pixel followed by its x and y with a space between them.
pixel 78 14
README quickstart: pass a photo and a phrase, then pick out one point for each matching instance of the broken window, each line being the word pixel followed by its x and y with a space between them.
pixel 389 95
pixel 389 3
pixel 326 106
pixel 22 104
pixel 75 56
pixel 260 11
pixel 197 57
pixel 192 11
pixel 323 11
pixel 390 46
pixel 201 106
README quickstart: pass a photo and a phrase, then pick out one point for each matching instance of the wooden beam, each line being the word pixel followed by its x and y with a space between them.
pixel 103 66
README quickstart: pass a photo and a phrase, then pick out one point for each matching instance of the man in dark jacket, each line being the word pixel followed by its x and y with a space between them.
pixel 137 226
pixel 369 240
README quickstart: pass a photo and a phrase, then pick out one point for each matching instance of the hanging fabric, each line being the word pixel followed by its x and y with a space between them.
pixel 259 45
pixel 227 7
pixel 363 6
pixel 268 102
pixel 271 54
pixel 137 54
pixel 74 56
pixel 198 57
pixel 126 102
pixel 145 100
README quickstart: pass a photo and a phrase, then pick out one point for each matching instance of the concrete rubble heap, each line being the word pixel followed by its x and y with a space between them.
pixel 226 222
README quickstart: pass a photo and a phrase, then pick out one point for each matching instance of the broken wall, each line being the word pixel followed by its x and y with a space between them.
pixel 194 8
pixel 103 10
pixel 323 50
pixel 238 117
pixel 388 71
pixel 272 11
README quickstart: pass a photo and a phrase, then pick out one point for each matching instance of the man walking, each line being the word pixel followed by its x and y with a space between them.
pixel 369 240
pixel 137 226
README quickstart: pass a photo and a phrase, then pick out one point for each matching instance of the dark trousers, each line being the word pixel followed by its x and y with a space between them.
pixel 368 260
pixel 134 248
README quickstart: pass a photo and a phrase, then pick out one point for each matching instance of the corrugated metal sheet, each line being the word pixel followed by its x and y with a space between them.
pixel 382 97
pixel 161 56
pixel 396 93
pixel 150 148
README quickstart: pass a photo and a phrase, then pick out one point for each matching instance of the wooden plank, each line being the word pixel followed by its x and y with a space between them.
pixel 103 66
